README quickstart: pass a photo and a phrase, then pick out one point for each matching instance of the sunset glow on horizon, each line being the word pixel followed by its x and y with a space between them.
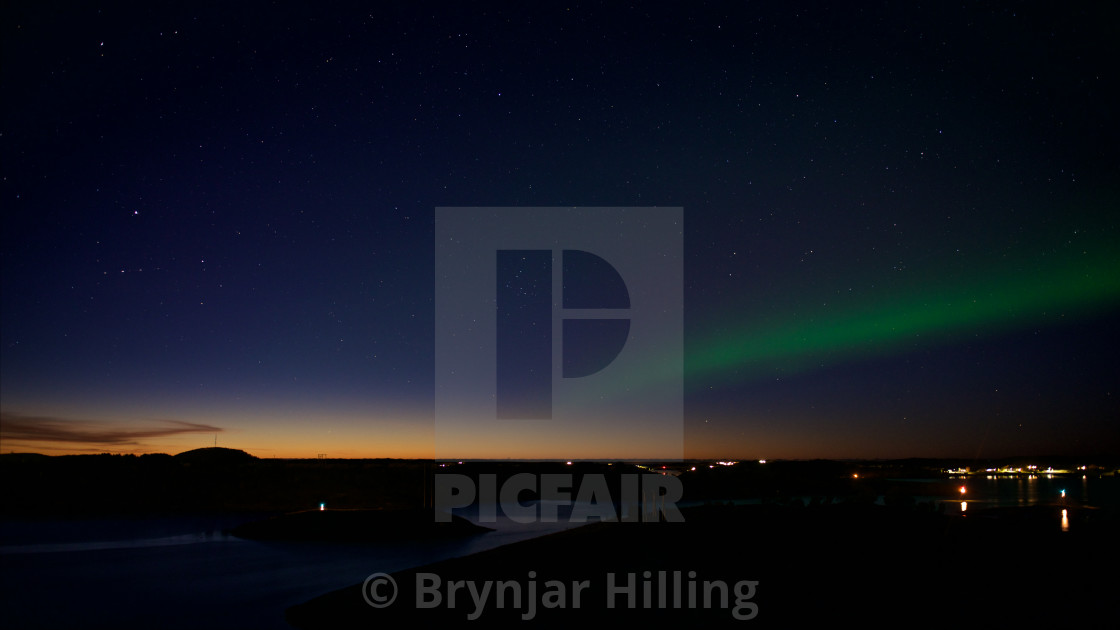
pixel 913 254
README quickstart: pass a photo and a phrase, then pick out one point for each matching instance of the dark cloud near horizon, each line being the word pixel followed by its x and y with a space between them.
pixel 50 429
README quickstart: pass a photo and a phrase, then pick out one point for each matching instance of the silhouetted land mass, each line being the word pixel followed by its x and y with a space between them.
pixel 214 457
pixel 219 479
pixel 880 566
pixel 204 480
pixel 817 542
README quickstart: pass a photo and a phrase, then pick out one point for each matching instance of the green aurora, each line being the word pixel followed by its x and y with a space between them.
pixel 1079 285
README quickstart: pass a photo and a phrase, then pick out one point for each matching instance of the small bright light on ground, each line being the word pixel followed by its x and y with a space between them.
pixel 964 506
pixel 569 463
pixel 762 461
pixel 963 490
pixel 322 507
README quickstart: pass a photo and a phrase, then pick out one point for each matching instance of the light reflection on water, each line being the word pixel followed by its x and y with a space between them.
pixel 104 545
pixel 1027 491
pixel 187 573
pixel 1067 492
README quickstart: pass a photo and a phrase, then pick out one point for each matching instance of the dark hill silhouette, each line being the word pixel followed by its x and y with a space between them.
pixel 215 455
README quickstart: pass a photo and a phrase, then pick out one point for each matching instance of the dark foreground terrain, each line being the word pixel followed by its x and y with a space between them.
pixel 881 544
pixel 873 565
pixel 356 526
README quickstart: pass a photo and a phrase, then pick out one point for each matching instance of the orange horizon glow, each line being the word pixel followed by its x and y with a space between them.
pixel 298 432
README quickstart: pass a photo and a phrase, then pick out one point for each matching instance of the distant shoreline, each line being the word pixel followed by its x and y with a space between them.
pixel 228 480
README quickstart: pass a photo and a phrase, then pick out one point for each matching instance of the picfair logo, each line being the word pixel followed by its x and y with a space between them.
pixel 559 333
pixel 524 312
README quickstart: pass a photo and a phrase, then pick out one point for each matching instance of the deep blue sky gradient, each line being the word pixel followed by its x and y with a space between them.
pixel 224 216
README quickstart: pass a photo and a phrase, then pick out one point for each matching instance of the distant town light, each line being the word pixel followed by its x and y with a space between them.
pixel 322 507
pixel 963 490
pixel 762 461
pixel 1065 521
pixel 964 506
pixel 1063 494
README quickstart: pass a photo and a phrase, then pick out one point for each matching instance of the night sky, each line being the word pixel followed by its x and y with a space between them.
pixel 901 232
